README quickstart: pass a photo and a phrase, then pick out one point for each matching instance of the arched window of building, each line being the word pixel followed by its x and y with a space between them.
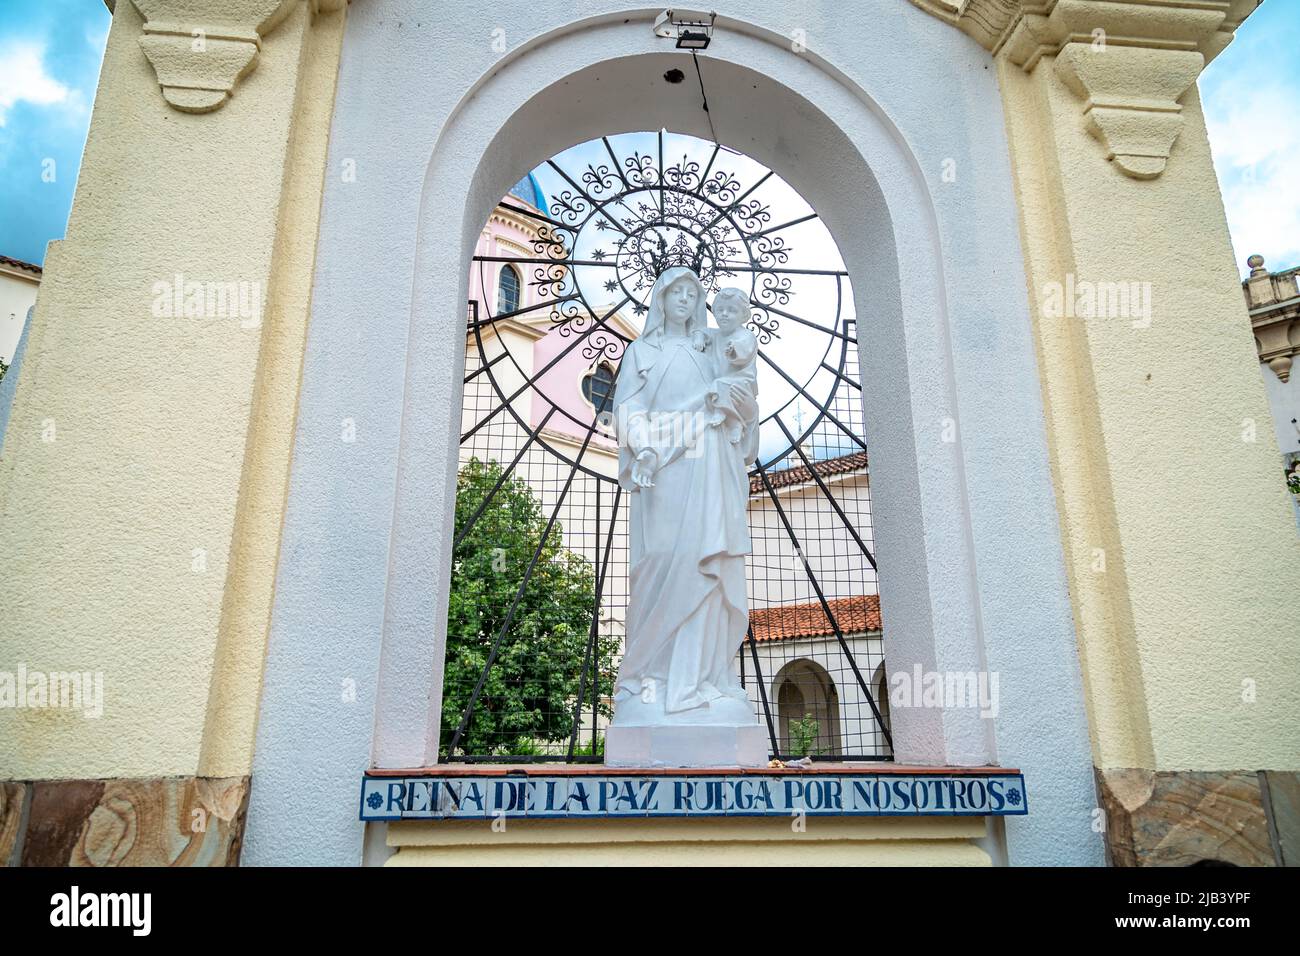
pixel 507 290
pixel 598 386
pixel 808 710
pixel 882 697
pixel 791 707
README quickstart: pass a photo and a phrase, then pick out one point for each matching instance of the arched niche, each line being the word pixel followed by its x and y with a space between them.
pixel 841 154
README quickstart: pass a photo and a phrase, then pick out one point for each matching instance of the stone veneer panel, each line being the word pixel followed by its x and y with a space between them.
pixel 12 796
pixel 1183 818
pixel 170 821
pixel 1283 790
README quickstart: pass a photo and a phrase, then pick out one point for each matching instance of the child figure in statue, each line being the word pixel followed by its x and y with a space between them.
pixel 735 357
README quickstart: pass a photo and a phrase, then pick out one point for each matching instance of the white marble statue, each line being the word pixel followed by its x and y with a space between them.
pixel 687 413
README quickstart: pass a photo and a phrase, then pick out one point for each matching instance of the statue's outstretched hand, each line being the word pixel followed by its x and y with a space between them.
pixel 643 469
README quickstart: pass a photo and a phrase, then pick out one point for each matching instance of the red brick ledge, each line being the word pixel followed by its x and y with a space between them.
pixel 866 769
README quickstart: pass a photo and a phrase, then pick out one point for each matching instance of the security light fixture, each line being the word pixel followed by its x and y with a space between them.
pixel 690 28
pixel 692 40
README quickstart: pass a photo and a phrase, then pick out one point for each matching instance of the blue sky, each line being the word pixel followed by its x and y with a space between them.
pixel 50 52
pixel 1251 94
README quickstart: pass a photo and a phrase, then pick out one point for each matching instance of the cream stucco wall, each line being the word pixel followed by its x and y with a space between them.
pixel 845 841
pixel 142 477
pixel 1180 541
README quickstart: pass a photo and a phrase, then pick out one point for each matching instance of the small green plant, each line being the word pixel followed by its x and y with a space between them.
pixel 803 736
pixel 521 747
pixel 586 750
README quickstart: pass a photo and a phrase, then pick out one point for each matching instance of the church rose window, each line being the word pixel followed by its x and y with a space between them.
pixel 539 581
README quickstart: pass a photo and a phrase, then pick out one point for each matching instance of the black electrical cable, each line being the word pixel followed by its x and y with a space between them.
pixel 704 96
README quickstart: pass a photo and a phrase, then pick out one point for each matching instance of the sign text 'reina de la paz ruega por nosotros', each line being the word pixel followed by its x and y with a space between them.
pixel 541 796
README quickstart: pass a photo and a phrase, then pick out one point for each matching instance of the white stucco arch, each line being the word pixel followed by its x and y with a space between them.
pixel 943 328
pixel 835 166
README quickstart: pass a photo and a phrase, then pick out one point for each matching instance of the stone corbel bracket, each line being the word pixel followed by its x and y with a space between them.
pixel 200 49
pixel 1128 60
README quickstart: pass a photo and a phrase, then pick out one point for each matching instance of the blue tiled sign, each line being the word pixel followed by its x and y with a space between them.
pixel 542 796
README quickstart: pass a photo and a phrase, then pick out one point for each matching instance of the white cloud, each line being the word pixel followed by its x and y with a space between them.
pixel 1255 136
pixel 23 78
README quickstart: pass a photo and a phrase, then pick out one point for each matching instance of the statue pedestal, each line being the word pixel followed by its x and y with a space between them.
pixel 696 745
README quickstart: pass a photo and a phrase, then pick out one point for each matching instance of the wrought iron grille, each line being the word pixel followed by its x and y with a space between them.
pixel 540 566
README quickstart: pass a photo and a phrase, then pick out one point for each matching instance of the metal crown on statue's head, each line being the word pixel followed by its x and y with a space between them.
pixel 680 253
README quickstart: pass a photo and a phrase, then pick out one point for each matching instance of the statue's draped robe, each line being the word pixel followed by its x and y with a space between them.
pixel 688 608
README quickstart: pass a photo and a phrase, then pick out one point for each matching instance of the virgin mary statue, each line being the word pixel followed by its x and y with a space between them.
pixel 677 699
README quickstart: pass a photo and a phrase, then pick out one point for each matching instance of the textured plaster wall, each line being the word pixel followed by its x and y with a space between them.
pixel 1187 629
pixel 124 540
pixel 972 574
pixel 924 841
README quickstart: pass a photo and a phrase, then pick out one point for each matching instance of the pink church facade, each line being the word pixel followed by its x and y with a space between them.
pixel 575 380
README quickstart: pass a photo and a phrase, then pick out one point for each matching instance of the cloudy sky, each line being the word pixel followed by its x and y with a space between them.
pixel 50 52
pixel 1251 93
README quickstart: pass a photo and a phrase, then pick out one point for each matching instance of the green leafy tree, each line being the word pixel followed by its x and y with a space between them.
pixel 532 688
pixel 3 368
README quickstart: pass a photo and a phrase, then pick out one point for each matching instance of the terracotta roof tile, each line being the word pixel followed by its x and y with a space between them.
pixel 20 264
pixel 800 475
pixel 854 615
